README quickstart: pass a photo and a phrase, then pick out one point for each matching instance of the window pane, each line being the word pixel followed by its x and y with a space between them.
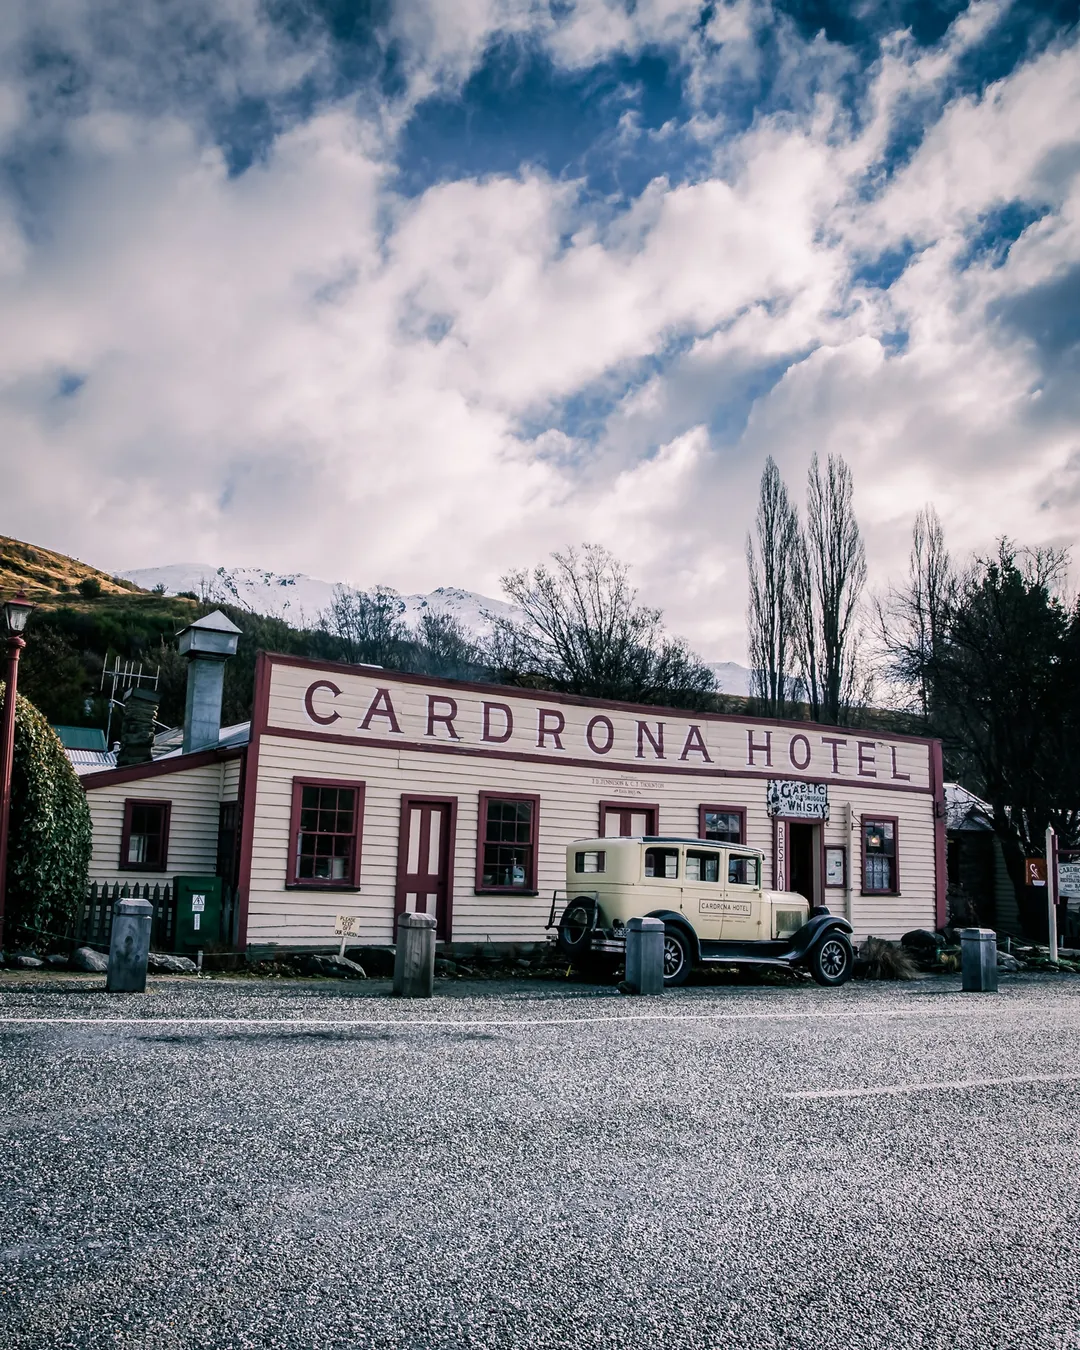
pixel 702 866
pixel 508 822
pixel 505 865
pixel 589 862
pixel 324 848
pixel 724 826
pixel 742 870
pixel 662 862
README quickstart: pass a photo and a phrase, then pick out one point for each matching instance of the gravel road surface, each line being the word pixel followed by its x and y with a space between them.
pixel 307 1164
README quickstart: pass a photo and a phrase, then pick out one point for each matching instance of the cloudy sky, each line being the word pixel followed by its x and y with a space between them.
pixel 414 291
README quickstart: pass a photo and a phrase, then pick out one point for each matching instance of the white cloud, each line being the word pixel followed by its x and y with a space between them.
pixel 295 367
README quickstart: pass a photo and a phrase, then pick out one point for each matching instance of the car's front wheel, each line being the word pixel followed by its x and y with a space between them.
pixel 678 955
pixel 832 960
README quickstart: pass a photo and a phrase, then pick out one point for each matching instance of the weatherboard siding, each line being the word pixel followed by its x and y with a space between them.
pixel 569 810
pixel 194 795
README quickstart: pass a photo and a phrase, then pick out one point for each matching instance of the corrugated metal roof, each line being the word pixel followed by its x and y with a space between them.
pixel 81 738
pixel 91 761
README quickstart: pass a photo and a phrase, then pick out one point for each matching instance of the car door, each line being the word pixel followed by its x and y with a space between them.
pixel 742 898
pixel 703 891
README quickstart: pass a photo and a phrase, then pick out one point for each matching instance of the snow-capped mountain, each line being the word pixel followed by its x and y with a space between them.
pixel 301 599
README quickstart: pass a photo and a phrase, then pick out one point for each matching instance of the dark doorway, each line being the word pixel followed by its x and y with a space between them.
pixel 802 859
pixel 227 852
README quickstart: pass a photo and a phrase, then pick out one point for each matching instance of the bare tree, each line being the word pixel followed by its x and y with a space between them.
pixel 912 619
pixel 773 565
pixel 367 624
pixel 830 580
pixel 442 645
pixel 583 632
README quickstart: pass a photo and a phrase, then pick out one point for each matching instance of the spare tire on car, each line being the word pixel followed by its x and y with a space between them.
pixel 576 927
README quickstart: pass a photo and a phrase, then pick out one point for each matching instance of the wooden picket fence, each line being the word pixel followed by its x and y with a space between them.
pixel 92 926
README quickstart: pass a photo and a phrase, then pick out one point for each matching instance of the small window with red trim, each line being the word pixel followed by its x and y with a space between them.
pixel 144 842
pixel 725 824
pixel 326 823
pixel 506 851
pixel 879 855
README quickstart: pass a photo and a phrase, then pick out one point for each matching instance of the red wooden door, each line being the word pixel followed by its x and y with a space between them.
pixel 619 821
pixel 426 859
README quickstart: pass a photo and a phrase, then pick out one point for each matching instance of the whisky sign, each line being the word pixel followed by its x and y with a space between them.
pixel 795 797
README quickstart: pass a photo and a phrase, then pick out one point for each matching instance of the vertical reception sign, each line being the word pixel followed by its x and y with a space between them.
pixel 779 878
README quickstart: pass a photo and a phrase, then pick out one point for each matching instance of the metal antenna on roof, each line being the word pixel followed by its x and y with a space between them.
pixel 124 675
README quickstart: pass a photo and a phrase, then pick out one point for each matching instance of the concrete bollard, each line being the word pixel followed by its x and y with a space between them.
pixel 130 947
pixel 414 957
pixel 645 955
pixel 978 960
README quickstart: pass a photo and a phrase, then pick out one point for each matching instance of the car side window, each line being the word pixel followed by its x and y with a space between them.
pixel 662 862
pixel 702 866
pixel 742 870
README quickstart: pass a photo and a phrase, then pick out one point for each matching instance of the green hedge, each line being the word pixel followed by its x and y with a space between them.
pixel 49 833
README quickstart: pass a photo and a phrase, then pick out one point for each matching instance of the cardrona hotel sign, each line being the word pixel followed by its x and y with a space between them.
pixel 385 709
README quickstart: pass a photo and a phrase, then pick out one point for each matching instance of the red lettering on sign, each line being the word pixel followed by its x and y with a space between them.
pixel 835 742
pixel 544 730
pixel 381 706
pixel 309 702
pixel 797 763
pixel 508 720
pixel 867 759
pixel 753 747
pixel 904 777
pixel 644 733
pixel 600 721
pixel 447 718
pixel 695 741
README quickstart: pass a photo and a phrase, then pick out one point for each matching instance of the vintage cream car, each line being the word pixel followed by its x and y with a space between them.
pixel 711 901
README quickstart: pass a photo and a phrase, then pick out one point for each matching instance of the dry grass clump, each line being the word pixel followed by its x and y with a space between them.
pixel 881 960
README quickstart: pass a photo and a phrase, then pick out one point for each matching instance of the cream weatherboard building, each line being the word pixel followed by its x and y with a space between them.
pixel 366 793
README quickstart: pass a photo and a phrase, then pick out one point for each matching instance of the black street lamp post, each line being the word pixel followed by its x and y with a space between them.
pixel 16 612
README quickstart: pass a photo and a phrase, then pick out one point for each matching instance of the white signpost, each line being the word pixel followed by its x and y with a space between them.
pixel 1051 891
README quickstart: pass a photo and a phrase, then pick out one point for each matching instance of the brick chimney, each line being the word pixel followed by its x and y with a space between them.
pixel 137 727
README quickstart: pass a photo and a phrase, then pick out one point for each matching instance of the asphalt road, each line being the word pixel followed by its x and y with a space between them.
pixel 316 1165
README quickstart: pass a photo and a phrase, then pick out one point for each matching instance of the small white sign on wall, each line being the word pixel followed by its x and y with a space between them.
pixel 345 925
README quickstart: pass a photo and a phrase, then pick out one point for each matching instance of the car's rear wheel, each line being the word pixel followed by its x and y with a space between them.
pixel 575 927
pixel 832 960
pixel 678 955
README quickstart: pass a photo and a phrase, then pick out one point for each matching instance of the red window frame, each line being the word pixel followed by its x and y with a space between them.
pixel 881 820
pixel 636 808
pixel 126 832
pixel 529 887
pixel 739 811
pixel 293 881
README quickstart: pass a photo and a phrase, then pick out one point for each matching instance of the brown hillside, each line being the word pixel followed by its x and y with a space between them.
pixel 50 576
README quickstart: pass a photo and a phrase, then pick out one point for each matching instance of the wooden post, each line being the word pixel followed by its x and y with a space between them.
pixel 645 955
pixel 414 957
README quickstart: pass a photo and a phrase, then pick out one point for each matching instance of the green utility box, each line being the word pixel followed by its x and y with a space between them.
pixel 198 912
